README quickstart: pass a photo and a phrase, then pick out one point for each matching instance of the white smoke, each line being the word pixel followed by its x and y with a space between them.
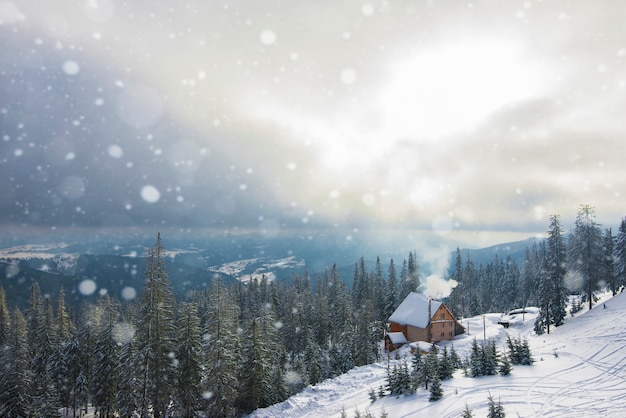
pixel 437 259
pixel 438 287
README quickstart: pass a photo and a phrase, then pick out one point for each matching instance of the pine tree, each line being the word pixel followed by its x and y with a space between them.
pixel 608 267
pixel 156 336
pixel 552 292
pixel 456 300
pixel 496 410
pixel 45 395
pixel 5 320
pixel 409 277
pixel 399 380
pixel 446 366
pixel 619 255
pixel 75 391
pixel 221 344
pixel 418 374
pixel 189 368
pixel 476 360
pixel 431 366
pixel 505 365
pixel 15 386
pixel 491 359
pixel 256 370
pixel 64 322
pixel 436 391
pixel 585 251
pixel 105 372
pixel 129 367
pixel 391 295
pixel 314 362
pixel 455 359
pixel 467 413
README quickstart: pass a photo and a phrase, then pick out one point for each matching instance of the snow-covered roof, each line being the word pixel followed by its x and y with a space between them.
pixel 422 346
pixel 414 310
pixel 397 338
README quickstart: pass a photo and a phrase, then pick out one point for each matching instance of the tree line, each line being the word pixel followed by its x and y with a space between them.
pixel 586 259
pixel 223 351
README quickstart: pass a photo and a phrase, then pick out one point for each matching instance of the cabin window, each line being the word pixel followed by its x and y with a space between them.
pixel 443 316
pixel 450 334
pixel 443 334
pixel 450 324
pixel 443 324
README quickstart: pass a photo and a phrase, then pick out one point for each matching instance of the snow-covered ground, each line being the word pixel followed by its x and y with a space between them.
pixel 579 371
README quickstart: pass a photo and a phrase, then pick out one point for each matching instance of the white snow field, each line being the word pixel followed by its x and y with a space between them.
pixel 579 371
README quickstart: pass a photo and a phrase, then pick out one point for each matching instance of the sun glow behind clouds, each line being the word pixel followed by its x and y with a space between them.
pixel 426 102
pixel 453 88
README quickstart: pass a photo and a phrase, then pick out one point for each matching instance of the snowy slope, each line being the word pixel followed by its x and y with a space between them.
pixel 579 371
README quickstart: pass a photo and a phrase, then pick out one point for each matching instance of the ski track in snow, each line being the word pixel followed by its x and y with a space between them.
pixel 579 371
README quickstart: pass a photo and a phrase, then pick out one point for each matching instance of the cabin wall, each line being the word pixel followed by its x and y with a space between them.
pixel 416 334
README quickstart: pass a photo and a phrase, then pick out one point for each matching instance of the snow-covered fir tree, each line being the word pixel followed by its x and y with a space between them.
pixel 585 256
pixel 156 330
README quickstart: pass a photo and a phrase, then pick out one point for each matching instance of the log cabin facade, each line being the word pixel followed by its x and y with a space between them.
pixel 420 318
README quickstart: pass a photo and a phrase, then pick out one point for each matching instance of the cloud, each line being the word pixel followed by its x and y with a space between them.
pixel 437 114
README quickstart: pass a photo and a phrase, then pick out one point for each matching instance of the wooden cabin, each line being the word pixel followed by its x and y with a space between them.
pixel 420 318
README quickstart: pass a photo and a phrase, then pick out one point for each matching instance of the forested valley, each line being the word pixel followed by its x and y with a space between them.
pixel 228 350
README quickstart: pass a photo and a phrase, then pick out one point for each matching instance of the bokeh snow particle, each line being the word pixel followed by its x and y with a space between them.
pixel 348 76
pixel 99 11
pixel 71 67
pixel 367 9
pixel 87 287
pixel 115 151
pixel 267 37
pixel 129 293
pixel 150 194
pixel 123 332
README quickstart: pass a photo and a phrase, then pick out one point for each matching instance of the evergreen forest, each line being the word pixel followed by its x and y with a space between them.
pixel 228 350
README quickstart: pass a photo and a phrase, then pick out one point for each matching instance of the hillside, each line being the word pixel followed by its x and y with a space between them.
pixel 579 371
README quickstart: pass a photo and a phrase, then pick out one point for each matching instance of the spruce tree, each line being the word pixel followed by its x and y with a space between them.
pixel 585 251
pixel 221 345
pixel 418 373
pixel 189 366
pixel 17 377
pixel 256 370
pixel 505 365
pixel 619 255
pixel 46 400
pixel 391 293
pixel 436 391
pixel 608 268
pixel 555 272
pixel 496 410
pixel 476 360
pixel 156 336
pixel 446 365
pixel 5 320
pixel 431 366
pixel 129 367
pixel 467 413
pixel 105 371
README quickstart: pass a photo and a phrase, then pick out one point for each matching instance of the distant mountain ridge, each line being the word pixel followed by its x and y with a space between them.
pixel 116 265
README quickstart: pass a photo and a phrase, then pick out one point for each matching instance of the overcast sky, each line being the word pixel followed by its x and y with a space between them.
pixel 448 116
